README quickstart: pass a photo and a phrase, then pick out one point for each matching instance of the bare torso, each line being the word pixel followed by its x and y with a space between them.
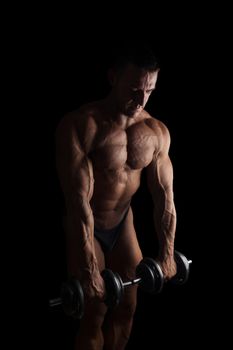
pixel 118 152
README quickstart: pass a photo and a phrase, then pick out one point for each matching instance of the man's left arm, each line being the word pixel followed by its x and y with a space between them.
pixel 160 183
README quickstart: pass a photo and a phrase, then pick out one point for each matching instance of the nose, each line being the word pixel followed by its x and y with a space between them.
pixel 140 99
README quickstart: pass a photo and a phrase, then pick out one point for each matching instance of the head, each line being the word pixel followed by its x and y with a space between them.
pixel 133 76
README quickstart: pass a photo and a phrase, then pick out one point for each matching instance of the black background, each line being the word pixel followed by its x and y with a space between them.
pixel 66 67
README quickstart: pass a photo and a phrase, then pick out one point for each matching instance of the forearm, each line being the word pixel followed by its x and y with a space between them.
pixel 80 239
pixel 165 223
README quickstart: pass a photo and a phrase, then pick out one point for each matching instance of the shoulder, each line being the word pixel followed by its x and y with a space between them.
pixel 158 127
pixel 160 131
pixel 79 119
pixel 79 126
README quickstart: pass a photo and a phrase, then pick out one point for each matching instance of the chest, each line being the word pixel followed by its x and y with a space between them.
pixel 117 148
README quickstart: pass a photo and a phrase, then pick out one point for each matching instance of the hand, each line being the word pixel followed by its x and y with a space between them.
pixel 93 285
pixel 168 266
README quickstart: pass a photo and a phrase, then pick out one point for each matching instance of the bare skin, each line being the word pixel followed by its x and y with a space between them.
pixel 101 151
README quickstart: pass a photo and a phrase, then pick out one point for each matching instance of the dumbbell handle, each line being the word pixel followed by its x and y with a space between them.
pixel 55 302
pixel 134 281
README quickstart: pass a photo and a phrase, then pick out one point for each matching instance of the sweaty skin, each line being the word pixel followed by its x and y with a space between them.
pixel 101 151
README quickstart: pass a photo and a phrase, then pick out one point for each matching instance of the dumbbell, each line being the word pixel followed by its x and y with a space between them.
pixel 151 276
pixel 148 274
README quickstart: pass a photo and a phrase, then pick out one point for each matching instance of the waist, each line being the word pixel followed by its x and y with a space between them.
pixel 108 219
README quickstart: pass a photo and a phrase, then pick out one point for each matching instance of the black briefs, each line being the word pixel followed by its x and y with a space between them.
pixel 108 238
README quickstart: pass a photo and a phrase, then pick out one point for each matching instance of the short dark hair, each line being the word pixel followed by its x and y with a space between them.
pixel 137 52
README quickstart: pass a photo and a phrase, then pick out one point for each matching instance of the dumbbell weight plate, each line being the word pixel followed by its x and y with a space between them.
pixel 151 276
pixel 182 268
pixel 72 299
pixel 114 288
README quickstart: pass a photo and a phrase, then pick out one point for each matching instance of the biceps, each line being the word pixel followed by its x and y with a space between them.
pixel 76 178
pixel 160 182
pixel 81 179
pixel 160 175
pixel 165 174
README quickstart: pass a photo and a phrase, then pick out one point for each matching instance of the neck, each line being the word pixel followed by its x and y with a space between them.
pixel 114 114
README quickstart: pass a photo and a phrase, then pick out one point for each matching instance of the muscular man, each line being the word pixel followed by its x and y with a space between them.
pixel 101 151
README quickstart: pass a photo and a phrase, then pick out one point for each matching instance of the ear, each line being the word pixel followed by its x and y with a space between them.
pixel 111 76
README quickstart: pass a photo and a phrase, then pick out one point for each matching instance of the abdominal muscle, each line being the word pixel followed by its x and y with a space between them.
pixel 113 191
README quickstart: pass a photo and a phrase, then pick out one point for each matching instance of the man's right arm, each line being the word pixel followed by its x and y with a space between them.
pixel 75 173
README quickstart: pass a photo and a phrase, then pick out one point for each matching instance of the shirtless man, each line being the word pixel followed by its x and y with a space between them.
pixel 101 151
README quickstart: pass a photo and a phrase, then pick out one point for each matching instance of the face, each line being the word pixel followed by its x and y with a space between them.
pixel 132 88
